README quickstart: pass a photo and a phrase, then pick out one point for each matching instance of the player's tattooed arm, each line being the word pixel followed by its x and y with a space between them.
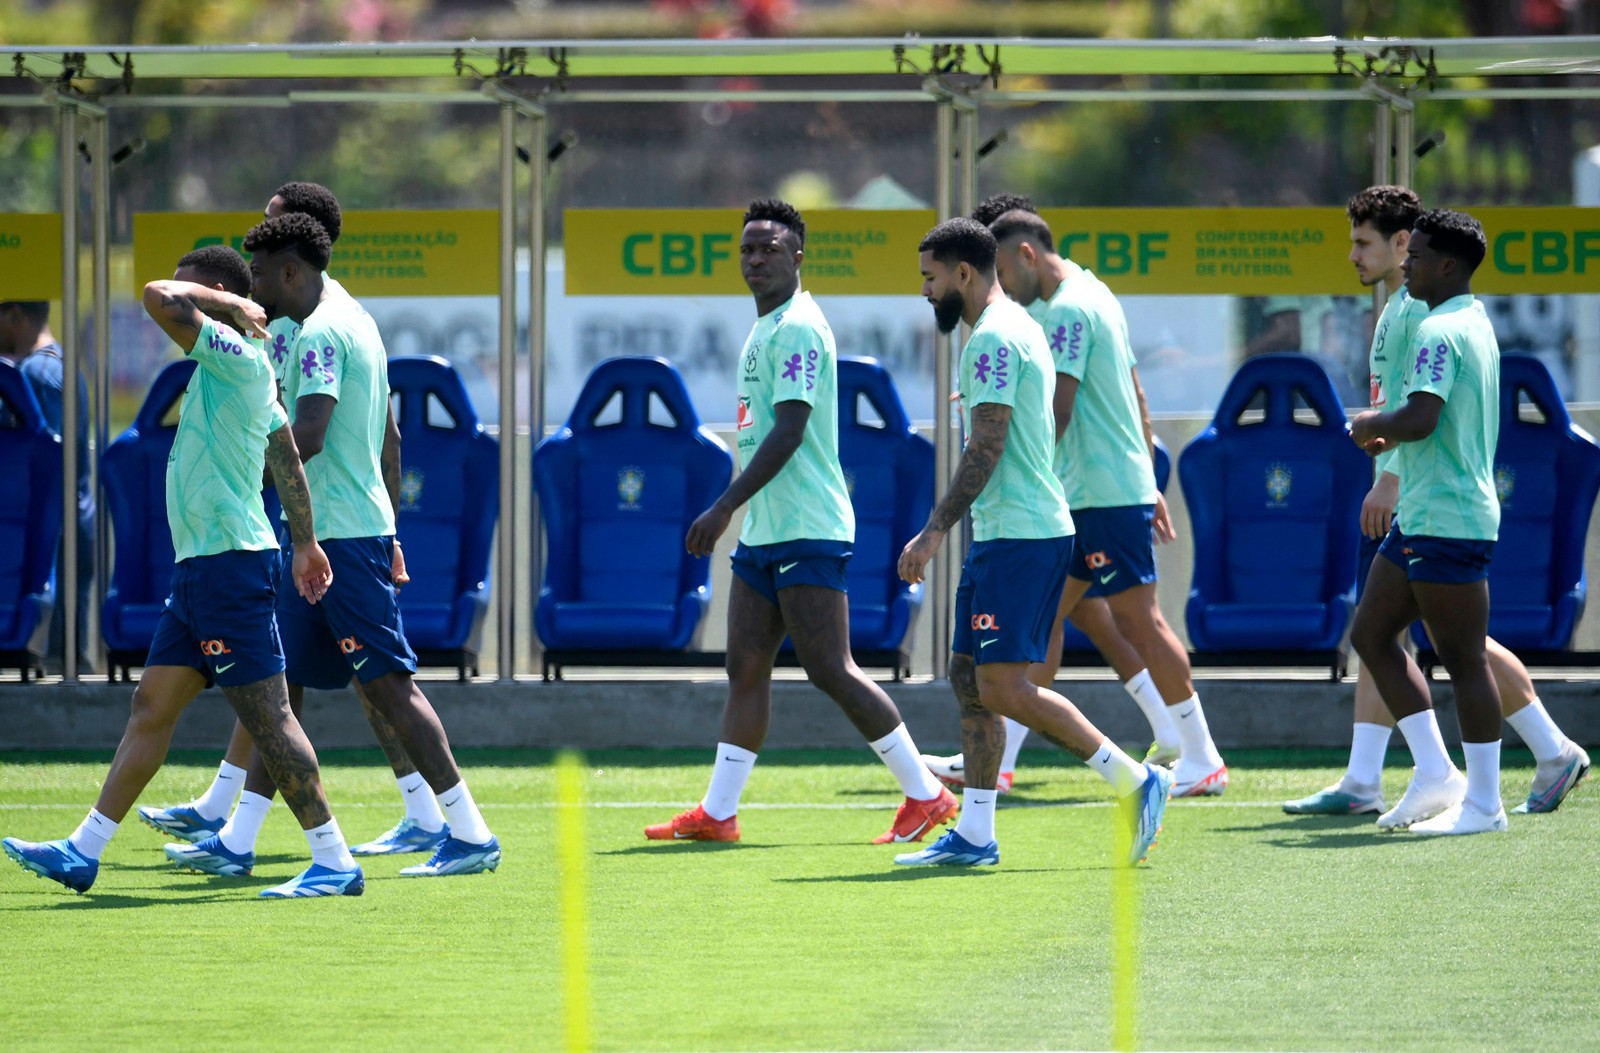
pixel 179 308
pixel 263 709
pixel 788 431
pixel 1161 524
pixel 283 462
pixel 991 422
pixel 389 459
pixel 311 570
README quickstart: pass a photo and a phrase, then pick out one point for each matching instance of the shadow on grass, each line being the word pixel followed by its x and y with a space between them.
pixel 696 847
pixel 245 889
pixel 926 874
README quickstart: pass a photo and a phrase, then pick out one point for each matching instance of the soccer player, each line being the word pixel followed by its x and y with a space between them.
pixel 1014 573
pixel 1381 218
pixel 339 392
pixel 789 566
pixel 1090 612
pixel 423 828
pixel 1435 560
pixel 218 625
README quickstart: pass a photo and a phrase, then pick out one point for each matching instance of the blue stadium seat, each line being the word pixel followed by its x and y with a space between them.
pixel 449 504
pixel 30 523
pixel 133 473
pixel 1072 640
pixel 889 470
pixel 618 487
pixel 1274 488
pixel 1547 472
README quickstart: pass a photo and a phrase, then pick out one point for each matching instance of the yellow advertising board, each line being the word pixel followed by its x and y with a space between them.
pixel 695 252
pixel 379 253
pixel 1137 251
pixel 30 256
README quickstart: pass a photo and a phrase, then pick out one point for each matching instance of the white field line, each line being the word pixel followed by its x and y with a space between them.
pixel 744 806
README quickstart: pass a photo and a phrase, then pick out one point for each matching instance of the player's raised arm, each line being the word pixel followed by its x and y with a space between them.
pixel 179 308
pixel 312 574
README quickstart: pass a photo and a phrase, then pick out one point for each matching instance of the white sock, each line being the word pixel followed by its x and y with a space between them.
pixel 244 826
pixel 900 755
pixel 1154 708
pixel 461 812
pixel 1538 732
pixel 976 824
pixel 1117 768
pixel 422 807
pixel 1195 736
pixel 218 798
pixel 1368 744
pixel 1483 775
pixel 1421 731
pixel 1016 735
pixel 328 847
pixel 729 772
pixel 92 835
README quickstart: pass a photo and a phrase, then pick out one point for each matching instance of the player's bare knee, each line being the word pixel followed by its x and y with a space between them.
pixel 151 709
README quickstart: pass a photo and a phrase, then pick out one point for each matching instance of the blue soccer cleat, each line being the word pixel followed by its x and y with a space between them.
pixel 318 880
pixel 1552 782
pixel 952 850
pixel 181 821
pixel 211 856
pixel 404 836
pixel 456 856
pixel 56 860
pixel 1146 807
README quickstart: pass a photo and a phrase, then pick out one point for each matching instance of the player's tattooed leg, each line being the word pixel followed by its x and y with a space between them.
pixel 983 733
pixel 263 709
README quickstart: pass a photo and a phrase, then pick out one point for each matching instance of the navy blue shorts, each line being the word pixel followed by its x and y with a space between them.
pixel 1008 596
pixel 355 630
pixel 1116 548
pixel 1364 558
pixel 1438 560
pixel 218 619
pixel 768 568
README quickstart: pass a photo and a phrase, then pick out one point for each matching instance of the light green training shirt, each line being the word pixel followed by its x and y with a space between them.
pixel 1390 358
pixel 285 330
pixel 1447 480
pixel 789 356
pixel 1102 460
pixel 214 471
pixel 1006 362
pixel 340 354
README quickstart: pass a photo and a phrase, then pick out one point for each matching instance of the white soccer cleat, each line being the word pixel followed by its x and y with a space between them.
pixel 1463 818
pixel 949 770
pixel 1425 800
pixel 1199 780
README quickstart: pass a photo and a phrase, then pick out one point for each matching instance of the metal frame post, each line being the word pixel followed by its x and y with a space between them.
pixel 1382 173
pixel 67 586
pixel 100 207
pixel 505 586
pixel 538 169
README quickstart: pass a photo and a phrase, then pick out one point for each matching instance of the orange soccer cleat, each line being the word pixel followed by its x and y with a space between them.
pixel 915 818
pixel 695 825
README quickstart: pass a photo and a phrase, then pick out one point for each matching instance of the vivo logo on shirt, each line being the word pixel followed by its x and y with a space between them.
pixel 1436 367
pixel 218 342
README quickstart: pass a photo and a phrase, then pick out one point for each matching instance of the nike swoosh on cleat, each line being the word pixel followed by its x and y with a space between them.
pixel 224 668
pixel 913 835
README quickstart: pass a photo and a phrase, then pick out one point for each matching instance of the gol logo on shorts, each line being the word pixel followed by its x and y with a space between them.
pixel 349 645
pixel 1096 560
pixel 984 621
pixel 214 648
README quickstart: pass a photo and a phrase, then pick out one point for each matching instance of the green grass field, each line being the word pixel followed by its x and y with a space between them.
pixel 1254 930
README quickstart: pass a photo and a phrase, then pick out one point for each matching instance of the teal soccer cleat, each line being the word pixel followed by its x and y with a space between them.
pixel 1149 805
pixel 211 856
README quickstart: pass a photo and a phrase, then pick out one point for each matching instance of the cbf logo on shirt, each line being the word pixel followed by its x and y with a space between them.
pixel 999 366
